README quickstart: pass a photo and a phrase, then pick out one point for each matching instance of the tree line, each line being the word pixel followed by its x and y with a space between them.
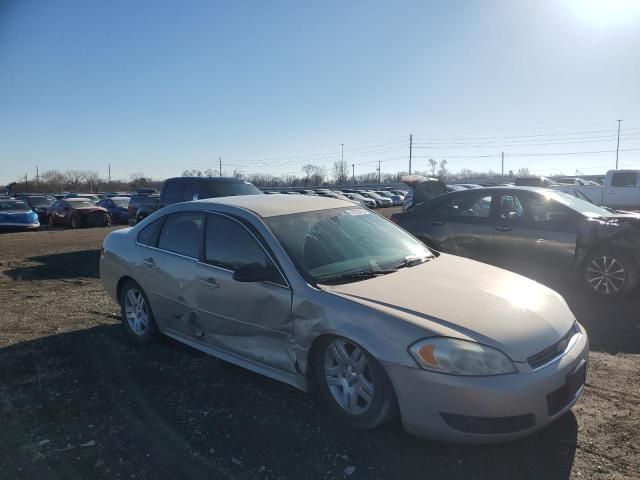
pixel 80 181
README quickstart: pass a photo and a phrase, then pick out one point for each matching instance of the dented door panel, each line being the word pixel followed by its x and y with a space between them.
pixel 252 320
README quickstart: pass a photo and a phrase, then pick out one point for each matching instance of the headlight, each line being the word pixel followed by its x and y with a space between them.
pixel 460 357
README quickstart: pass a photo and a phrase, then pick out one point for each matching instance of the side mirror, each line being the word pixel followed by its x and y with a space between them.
pixel 255 272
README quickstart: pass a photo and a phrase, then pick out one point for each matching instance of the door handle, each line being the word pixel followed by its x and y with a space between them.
pixel 211 282
pixel 149 262
pixel 503 228
pixel 437 223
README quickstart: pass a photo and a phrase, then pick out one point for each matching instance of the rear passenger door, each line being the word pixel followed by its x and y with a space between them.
pixel 248 319
pixel 170 249
pixel 624 190
pixel 460 224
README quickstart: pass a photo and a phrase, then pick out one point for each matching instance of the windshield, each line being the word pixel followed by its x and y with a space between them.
pixel 81 203
pixel 329 243
pixel 13 205
pixel 585 208
pixel 121 202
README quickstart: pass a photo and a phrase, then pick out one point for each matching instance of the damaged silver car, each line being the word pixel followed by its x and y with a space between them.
pixel 323 293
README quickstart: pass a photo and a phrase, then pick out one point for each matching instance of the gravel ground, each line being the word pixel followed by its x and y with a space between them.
pixel 77 400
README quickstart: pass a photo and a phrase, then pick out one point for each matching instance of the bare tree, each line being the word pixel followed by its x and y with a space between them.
pixel 432 165
pixel 523 172
pixel 92 178
pixel 443 172
pixel 340 172
pixel 74 178
pixel 54 179
pixel 139 179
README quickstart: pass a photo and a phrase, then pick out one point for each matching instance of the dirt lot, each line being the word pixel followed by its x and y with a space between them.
pixel 77 400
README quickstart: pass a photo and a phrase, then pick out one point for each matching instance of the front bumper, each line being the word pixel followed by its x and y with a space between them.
pixel 19 226
pixel 516 404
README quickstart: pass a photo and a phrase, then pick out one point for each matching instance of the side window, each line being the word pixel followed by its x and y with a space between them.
pixel 149 234
pixel 511 209
pixel 465 208
pixel 541 212
pixel 182 233
pixel 624 179
pixel 193 191
pixel 229 245
pixel 172 192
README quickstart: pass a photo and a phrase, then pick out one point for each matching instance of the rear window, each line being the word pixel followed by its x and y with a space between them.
pixel 182 233
pixel 223 189
pixel 624 179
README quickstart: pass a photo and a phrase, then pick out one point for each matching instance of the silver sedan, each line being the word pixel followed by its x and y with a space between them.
pixel 315 291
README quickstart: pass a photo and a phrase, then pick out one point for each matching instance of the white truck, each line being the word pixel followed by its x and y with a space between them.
pixel 620 190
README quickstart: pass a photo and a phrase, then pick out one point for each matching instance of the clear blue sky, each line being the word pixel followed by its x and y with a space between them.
pixel 161 86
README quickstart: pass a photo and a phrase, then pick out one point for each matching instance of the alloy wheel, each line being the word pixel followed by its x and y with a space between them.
pixel 606 275
pixel 349 376
pixel 136 311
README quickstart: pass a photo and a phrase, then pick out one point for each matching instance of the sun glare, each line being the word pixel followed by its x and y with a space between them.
pixel 604 12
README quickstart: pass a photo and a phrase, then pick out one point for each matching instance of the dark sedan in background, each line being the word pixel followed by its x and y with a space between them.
pixel 533 230
pixel 118 208
pixel 39 204
pixel 76 213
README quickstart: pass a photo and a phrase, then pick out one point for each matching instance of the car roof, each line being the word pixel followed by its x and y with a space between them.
pixel 117 198
pixel 274 205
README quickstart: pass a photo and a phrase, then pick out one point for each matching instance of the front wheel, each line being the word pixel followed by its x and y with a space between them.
pixel 353 384
pixel 75 222
pixel 52 222
pixel 137 316
pixel 106 222
pixel 609 273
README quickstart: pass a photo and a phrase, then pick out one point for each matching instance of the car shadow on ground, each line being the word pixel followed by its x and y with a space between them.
pixel 67 265
pixel 89 403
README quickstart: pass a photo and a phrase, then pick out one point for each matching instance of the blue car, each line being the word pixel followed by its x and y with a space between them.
pixel 16 215
pixel 118 208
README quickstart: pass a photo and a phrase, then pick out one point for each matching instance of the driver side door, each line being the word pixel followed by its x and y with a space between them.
pixel 251 320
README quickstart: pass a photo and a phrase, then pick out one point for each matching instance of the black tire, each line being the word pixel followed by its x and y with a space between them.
pixel 622 269
pixel 107 221
pixel 74 222
pixel 382 406
pixel 52 222
pixel 150 333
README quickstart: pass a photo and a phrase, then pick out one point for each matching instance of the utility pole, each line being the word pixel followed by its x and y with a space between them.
pixel 342 152
pixel 220 159
pixel 379 177
pixel 618 146
pixel 109 175
pixel 502 165
pixel 37 178
pixel 26 182
pixel 353 173
pixel 410 151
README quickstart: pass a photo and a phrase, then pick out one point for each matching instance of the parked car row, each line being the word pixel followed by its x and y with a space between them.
pixel 73 210
pixel 365 197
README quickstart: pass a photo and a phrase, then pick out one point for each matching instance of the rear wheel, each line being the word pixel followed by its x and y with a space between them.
pixel 52 222
pixel 137 316
pixel 610 273
pixel 75 222
pixel 353 384
pixel 106 221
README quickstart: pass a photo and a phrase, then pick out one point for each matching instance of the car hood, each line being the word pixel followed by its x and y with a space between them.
pixel 456 297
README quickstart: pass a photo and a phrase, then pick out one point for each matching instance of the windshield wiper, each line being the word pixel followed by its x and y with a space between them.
pixel 412 261
pixel 361 275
